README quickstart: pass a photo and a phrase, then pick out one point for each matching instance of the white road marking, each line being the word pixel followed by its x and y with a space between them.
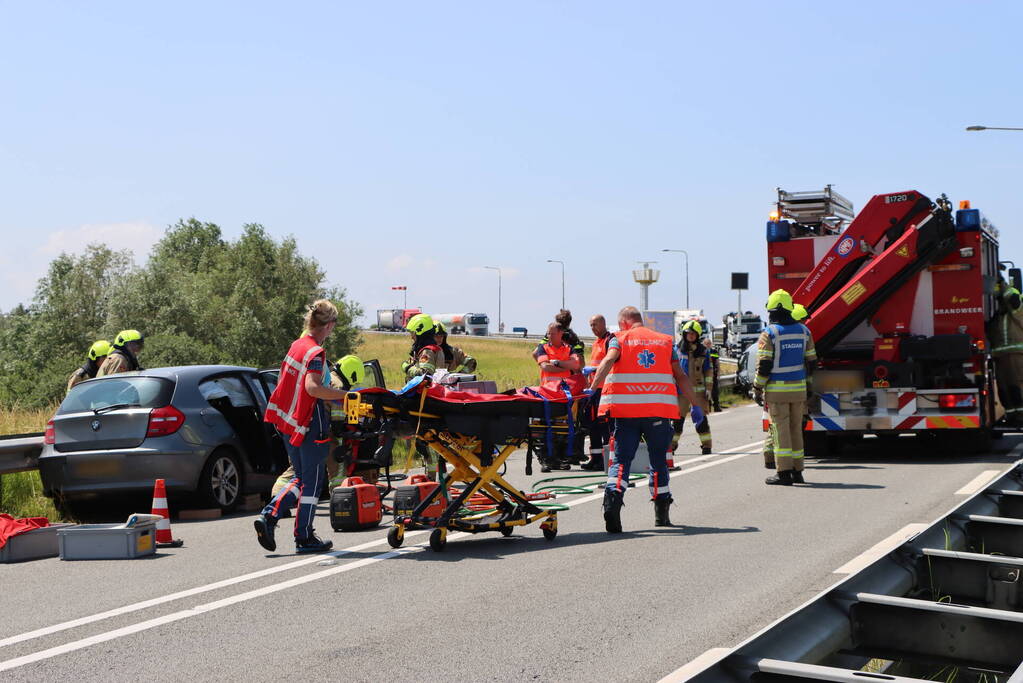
pixel 127 609
pixel 979 482
pixel 880 549
pixel 690 669
pixel 259 592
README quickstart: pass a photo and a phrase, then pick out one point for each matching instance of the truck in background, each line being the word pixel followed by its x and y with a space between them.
pixel 669 322
pixel 741 330
pixel 464 323
pixel 899 300
pixel 395 318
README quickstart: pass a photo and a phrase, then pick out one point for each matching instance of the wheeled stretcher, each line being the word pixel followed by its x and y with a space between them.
pixel 474 435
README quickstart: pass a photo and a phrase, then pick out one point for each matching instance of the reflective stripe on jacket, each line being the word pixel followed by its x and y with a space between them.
pixel 641 383
pixel 290 407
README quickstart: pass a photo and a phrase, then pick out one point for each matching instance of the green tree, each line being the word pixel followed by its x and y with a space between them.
pixel 199 299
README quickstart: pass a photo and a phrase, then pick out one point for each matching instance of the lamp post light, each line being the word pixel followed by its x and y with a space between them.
pixel 404 294
pixel 976 128
pixel 551 260
pixel 685 262
pixel 500 325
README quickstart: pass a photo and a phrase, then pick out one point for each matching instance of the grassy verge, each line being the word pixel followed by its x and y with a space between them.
pixel 21 494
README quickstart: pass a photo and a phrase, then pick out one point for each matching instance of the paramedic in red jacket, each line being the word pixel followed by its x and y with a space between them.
pixel 640 378
pixel 302 419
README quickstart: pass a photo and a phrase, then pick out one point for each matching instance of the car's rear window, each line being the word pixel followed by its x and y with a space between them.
pixel 140 392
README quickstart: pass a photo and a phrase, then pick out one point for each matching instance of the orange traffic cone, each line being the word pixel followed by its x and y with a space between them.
pixel 163 530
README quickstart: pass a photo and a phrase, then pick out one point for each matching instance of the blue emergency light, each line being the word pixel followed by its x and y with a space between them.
pixel 968 220
pixel 778 231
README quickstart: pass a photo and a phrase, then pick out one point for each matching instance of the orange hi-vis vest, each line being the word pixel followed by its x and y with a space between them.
pixel 641 384
pixel 600 350
pixel 290 407
pixel 550 353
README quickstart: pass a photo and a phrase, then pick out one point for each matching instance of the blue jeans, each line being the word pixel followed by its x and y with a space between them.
pixel 308 461
pixel 656 431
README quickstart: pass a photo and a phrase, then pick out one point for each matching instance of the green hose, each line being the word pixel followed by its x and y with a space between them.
pixel 541 486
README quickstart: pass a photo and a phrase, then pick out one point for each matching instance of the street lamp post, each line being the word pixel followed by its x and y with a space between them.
pixel 551 260
pixel 685 262
pixel 500 325
pixel 974 128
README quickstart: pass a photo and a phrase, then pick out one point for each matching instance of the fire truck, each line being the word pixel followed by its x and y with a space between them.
pixel 899 298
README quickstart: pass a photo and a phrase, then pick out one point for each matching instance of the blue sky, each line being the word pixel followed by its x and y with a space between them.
pixel 412 143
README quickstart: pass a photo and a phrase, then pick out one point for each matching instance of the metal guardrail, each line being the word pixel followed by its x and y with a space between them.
pixel 20 452
pixel 946 604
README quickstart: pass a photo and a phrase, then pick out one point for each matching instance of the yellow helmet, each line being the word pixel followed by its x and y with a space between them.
pixel 352 369
pixel 420 324
pixel 692 326
pixel 779 299
pixel 799 312
pixel 438 328
pixel 99 349
pixel 125 336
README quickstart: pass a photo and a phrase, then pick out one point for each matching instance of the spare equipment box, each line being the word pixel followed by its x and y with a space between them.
pixel 32 545
pixel 355 505
pixel 107 541
pixel 640 462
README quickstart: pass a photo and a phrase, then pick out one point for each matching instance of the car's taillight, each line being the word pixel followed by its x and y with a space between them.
pixel 949 401
pixel 164 421
pixel 50 437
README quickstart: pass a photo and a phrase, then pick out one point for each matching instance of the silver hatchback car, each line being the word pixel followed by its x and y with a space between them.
pixel 199 427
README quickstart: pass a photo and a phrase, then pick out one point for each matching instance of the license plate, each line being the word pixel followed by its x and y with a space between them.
pixel 95 469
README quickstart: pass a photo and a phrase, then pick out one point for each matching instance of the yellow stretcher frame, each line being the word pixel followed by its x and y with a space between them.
pixel 462 454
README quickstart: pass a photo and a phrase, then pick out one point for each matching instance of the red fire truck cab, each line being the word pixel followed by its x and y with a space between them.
pixel 899 299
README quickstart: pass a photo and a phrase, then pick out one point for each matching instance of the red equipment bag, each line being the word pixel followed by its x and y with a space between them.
pixel 414 490
pixel 355 505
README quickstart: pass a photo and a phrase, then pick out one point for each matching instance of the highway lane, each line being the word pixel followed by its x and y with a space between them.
pixel 633 607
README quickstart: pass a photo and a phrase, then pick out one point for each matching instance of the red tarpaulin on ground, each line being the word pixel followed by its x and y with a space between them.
pixel 10 527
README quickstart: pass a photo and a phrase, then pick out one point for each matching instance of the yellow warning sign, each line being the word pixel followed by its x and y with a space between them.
pixel 853 293
pixel 903 251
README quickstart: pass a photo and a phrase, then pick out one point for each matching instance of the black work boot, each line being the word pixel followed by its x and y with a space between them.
pixel 783 478
pixel 613 503
pixel 595 464
pixel 705 450
pixel 265 532
pixel 769 464
pixel 797 477
pixel 661 511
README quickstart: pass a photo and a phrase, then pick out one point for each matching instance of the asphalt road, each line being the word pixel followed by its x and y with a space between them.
pixel 585 606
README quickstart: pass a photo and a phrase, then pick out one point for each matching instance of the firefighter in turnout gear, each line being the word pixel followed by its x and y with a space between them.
pixel 1006 334
pixel 800 315
pixel 785 360
pixel 641 378
pixel 124 355
pixel 425 357
pixel 453 358
pixel 695 361
pixel 98 353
